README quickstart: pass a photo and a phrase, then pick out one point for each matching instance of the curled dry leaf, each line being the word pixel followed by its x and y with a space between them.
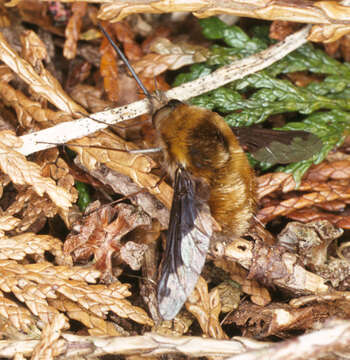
pixel 32 209
pixel 122 184
pixel 26 172
pixel 273 265
pixel 100 235
pixel 337 272
pixel 148 285
pixel 279 30
pixel 329 33
pixel 33 49
pixel 132 254
pixel 276 319
pixel 73 27
pixel 310 241
pixel 259 294
pixel 329 170
pixel 229 294
pixel 169 56
pixel 327 188
pixel 89 97
pixel 176 327
pixel 206 307
pixel 50 344
pixel 271 182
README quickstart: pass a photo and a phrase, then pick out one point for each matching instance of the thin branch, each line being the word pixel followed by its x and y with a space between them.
pixel 151 344
pixel 65 132
pixel 334 337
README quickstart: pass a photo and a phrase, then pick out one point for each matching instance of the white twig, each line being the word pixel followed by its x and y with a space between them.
pixel 333 338
pixel 150 344
pixel 65 132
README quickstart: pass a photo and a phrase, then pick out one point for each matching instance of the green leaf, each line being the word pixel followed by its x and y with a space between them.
pixel 84 195
pixel 196 71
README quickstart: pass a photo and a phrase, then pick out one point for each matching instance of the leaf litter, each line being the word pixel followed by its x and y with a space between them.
pixel 65 271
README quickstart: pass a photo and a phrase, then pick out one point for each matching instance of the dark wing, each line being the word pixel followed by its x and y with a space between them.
pixel 187 244
pixel 276 146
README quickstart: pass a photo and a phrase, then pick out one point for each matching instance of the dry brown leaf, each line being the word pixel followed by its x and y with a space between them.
pixel 34 284
pixel 21 172
pixel 279 30
pixel 122 184
pixel 27 109
pixel 169 56
pixel 332 15
pixel 229 295
pixel 322 192
pixel 126 35
pixel 100 235
pixel 35 12
pixel 259 294
pixel 136 166
pixel 33 49
pixel 32 210
pixel 329 33
pixel 43 84
pixel 50 345
pixel 109 70
pixel 273 265
pixel 276 319
pixel 7 223
pixel 271 182
pixel 310 241
pixel 96 325
pixel 133 254
pixel 17 247
pixel 334 170
pixel 73 28
pixel 206 307
pixel 18 316
pixel 89 97
pixel 308 215
pixel 176 327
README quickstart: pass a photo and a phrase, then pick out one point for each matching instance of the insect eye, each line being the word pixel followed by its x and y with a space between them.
pixel 173 103
pixel 165 111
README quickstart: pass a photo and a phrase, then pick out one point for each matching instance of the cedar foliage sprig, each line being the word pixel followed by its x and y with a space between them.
pixel 321 107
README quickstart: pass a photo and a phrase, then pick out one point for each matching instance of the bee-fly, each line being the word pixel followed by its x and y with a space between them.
pixel 214 188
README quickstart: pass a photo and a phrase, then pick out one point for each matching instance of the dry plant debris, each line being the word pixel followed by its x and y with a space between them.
pixel 81 281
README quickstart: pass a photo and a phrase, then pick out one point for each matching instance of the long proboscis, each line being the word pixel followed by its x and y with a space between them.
pixel 126 62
